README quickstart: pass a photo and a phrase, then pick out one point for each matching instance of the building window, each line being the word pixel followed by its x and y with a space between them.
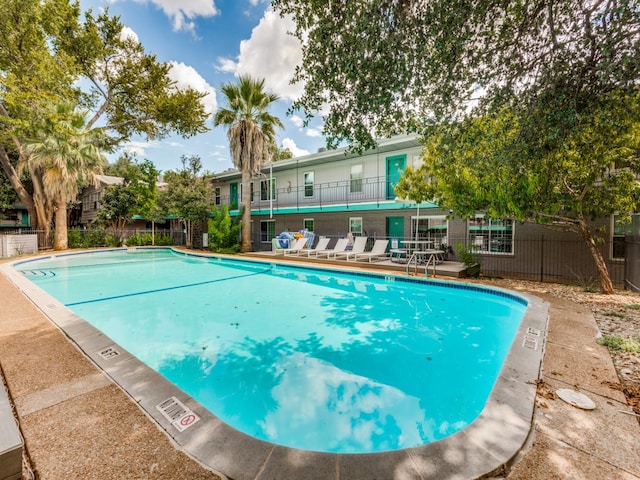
pixel 618 232
pixel 267 193
pixel 267 230
pixel 308 184
pixel 491 236
pixel 216 195
pixel 307 224
pixel 355 225
pixel 430 228
pixel 357 173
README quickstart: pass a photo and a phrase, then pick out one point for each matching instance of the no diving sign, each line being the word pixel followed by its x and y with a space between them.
pixel 177 413
pixel 185 421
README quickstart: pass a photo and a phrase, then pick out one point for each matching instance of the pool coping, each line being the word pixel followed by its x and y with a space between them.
pixel 484 447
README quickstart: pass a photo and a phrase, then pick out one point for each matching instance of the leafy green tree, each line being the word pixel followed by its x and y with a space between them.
pixel 8 196
pixel 137 195
pixel 384 67
pixel 251 133
pixel 501 165
pixel 282 153
pixel 224 231
pixel 51 56
pixel 524 106
pixel 68 157
pixel 188 196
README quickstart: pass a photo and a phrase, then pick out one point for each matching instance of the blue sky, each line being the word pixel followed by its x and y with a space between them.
pixel 208 43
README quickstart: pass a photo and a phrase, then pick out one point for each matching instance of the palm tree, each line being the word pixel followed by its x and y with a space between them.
pixel 68 156
pixel 251 133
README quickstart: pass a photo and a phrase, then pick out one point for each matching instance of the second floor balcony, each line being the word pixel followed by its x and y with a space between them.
pixel 336 195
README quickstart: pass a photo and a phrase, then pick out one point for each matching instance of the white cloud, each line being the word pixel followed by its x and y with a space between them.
pixel 271 53
pixel 290 145
pixel 183 12
pixel 297 120
pixel 128 33
pixel 226 65
pixel 313 132
pixel 187 76
pixel 136 151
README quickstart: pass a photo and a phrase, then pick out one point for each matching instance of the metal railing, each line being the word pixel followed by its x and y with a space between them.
pixel 344 192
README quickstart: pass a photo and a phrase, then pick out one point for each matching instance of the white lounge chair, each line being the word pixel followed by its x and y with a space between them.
pixel 379 250
pixel 322 245
pixel 340 245
pixel 297 245
pixel 359 244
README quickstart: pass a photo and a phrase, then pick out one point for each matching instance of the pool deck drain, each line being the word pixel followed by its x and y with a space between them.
pixel 487 444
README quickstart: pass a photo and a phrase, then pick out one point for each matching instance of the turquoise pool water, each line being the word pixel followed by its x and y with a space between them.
pixel 301 357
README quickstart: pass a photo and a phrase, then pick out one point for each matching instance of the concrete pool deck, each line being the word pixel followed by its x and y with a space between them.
pixel 65 403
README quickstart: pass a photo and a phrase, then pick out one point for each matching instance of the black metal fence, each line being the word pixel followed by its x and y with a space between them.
pixel 542 259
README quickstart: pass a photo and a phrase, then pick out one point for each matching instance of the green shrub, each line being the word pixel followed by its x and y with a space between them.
pixel 133 240
pixel 469 258
pixel 74 238
pixel 164 240
pixel 146 239
pixel 224 231
pixel 95 238
pixel 620 344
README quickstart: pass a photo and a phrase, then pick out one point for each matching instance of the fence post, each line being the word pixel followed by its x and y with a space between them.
pixel 542 259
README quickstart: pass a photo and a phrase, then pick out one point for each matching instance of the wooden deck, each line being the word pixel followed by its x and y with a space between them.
pixel 442 269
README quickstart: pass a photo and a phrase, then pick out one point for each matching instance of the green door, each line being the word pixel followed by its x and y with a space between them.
pixel 233 196
pixel 395 167
pixel 395 230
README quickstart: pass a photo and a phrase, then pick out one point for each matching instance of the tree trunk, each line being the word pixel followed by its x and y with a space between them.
pixel 60 241
pixel 605 280
pixel 187 230
pixel 246 246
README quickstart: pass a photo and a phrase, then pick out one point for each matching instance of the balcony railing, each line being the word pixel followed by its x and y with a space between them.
pixel 344 192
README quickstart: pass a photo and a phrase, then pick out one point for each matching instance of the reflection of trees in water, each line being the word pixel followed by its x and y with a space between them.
pixel 396 344
pixel 238 383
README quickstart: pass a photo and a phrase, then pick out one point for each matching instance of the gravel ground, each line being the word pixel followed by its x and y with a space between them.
pixel 616 315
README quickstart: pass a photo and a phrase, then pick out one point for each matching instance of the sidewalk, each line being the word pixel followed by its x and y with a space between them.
pixel 78 424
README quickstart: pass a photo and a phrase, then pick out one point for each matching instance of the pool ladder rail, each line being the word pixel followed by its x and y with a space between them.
pixel 416 258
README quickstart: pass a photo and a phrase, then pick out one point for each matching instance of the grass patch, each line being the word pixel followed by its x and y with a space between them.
pixel 613 313
pixel 633 306
pixel 619 344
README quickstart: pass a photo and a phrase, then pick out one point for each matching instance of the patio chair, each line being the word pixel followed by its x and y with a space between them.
pixel 379 250
pixel 340 245
pixel 297 245
pixel 359 244
pixel 322 245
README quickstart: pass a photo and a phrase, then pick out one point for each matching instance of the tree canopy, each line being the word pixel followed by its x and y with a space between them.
pixel 383 67
pixel 188 196
pixel 51 54
pixel 136 195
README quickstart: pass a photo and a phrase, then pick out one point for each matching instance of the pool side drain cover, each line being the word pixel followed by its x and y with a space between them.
pixel 576 399
pixel 177 413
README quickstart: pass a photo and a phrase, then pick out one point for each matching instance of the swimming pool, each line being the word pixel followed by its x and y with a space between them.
pixel 301 357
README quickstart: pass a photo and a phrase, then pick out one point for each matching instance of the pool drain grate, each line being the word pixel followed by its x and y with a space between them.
pixel 177 413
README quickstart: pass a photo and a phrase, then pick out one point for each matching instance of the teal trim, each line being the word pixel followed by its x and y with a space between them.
pixel 352 207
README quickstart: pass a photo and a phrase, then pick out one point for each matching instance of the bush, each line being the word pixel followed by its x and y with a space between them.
pixel 164 240
pixel 74 238
pixel 133 240
pixel 224 231
pixel 619 344
pixel 470 259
